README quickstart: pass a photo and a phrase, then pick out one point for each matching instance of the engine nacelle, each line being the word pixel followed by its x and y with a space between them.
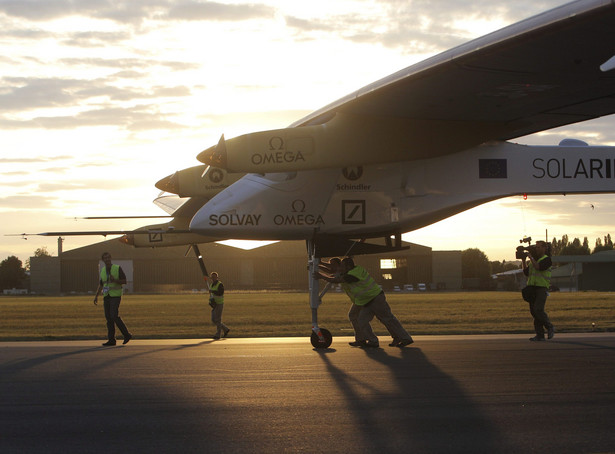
pixel 346 140
pixel 198 181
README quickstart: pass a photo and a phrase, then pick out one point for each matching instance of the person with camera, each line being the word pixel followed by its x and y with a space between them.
pixel 538 272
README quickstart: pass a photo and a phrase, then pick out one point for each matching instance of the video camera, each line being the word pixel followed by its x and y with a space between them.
pixel 523 251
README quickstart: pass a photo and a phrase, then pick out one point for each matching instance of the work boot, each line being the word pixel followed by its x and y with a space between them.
pixel 357 343
pixel 369 344
pixel 404 342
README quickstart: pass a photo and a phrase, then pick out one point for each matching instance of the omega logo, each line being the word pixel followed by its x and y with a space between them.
pixel 297 217
pixel 276 143
pixel 298 206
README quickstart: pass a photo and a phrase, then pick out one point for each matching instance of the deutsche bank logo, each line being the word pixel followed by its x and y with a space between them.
pixel 154 237
pixel 353 211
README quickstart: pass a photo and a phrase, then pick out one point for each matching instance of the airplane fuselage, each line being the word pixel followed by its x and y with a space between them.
pixel 373 200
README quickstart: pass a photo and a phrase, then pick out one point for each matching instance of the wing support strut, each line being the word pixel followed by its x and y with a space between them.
pixel 199 257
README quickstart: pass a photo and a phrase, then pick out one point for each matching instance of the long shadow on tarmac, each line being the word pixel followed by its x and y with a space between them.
pixel 426 412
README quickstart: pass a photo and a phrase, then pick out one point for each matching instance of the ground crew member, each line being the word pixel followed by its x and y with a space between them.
pixel 216 301
pixel 538 272
pixel 368 300
pixel 112 278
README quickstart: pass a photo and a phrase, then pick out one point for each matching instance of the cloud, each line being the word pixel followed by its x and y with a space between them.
pixel 25 95
pixel 29 202
pixel 46 10
pixel 91 39
pixel 213 11
pixel 25 34
pixel 133 12
pixel 128 63
pixel 135 118
pixel 34 160
pixel 418 26
pixel 20 93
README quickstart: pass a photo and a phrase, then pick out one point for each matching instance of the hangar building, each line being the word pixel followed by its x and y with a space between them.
pixel 278 266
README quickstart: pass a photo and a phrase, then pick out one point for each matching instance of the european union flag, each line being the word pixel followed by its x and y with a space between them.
pixel 492 168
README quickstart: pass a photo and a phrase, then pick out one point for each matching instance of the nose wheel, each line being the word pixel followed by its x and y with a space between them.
pixel 322 341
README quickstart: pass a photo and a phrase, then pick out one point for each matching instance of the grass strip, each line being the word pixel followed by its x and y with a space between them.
pixel 288 314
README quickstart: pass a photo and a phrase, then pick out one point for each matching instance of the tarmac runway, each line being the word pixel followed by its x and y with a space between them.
pixel 475 394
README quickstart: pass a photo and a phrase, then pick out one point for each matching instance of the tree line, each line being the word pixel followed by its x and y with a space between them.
pixel 12 272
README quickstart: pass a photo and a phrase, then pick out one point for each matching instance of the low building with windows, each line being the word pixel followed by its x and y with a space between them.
pixel 277 266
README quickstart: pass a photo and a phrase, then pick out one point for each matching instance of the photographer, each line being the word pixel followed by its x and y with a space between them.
pixel 538 271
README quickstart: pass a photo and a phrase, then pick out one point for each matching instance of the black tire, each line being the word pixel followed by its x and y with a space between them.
pixel 325 343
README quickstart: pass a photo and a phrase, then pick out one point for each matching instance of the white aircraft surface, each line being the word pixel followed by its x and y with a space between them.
pixel 420 145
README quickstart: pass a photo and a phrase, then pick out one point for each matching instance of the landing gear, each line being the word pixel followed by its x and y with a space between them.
pixel 320 338
pixel 323 341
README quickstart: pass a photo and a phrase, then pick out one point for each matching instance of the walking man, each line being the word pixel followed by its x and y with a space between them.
pixel 538 273
pixel 112 278
pixel 216 301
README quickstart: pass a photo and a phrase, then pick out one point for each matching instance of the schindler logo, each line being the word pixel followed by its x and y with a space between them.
pixel 215 175
pixel 353 211
pixel 352 173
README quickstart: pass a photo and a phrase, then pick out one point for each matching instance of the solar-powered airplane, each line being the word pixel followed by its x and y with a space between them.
pixel 420 145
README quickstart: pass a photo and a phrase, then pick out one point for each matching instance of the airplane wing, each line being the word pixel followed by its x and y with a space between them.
pixel 550 70
pixel 104 232
pixel 534 75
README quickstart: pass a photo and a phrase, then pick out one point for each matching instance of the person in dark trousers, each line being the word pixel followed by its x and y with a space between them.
pixel 112 278
pixel 368 300
pixel 216 301
pixel 538 271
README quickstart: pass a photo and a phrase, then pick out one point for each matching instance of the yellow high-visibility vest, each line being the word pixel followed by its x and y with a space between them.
pixel 539 278
pixel 217 299
pixel 364 290
pixel 111 288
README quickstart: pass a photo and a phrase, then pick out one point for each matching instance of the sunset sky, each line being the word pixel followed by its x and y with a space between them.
pixel 101 98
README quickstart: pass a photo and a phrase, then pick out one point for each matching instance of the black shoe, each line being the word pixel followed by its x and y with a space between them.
pixel 369 344
pixel 357 343
pixel 550 333
pixel 216 337
pixel 395 342
pixel 109 344
pixel 127 339
pixel 537 339
pixel 404 342
pixel 226 332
